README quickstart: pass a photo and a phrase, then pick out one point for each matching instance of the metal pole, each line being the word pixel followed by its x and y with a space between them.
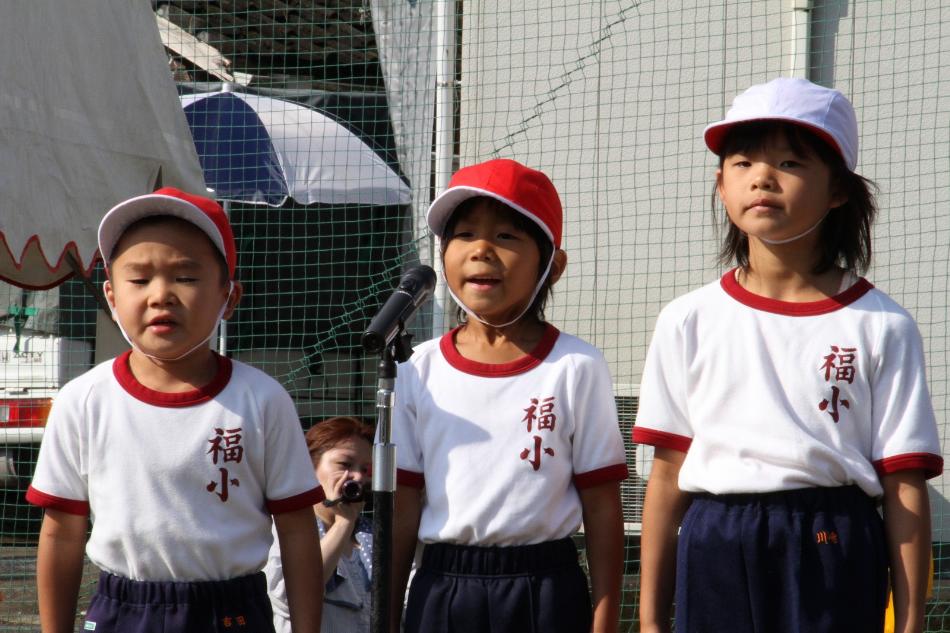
pixel 384 492
pixel 226 86
pixel 223 324
pixel 801 38
pixel 444 19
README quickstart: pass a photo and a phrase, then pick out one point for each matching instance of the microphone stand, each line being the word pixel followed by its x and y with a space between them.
pixel 384 480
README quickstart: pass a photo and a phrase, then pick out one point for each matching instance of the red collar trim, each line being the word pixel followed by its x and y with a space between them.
pixel 123 373
pixel 499 370
pixel 788 308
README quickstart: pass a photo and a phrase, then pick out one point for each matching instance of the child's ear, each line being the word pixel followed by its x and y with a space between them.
pixel 237 291
pixel 109 293
pixel 558 265
pixel 719 183
pixel 837 199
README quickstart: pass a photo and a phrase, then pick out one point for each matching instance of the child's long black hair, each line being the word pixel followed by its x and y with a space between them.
pixel 545 249
pixel 844 234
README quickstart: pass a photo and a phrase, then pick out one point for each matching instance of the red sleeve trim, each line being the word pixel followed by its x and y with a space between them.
pixel 70 506
pixel 931 464
pixel 410 478
pixel 661 439
pixel 617 472
pixel 290 504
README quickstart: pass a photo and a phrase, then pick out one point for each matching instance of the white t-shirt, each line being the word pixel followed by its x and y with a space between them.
pixel 765 395
pixel 502 449
pixel 179 486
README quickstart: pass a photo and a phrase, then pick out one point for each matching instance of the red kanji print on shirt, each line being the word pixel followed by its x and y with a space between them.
pixel 838 367
pixel 540 416
pixel 535 461
pixel 543 414
pixel 226 447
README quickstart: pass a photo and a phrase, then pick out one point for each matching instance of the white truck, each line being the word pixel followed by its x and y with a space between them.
pixel 33 367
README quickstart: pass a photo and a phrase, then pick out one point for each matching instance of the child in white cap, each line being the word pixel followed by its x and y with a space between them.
pixel 179 456
pixel 506 430
pixel 788 399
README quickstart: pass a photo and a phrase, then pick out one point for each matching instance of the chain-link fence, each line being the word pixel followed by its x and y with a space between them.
pixel 608 97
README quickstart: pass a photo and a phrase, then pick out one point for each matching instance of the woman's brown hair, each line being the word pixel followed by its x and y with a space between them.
pixel 331 432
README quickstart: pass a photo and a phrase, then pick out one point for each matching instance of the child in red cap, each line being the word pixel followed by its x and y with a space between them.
pixel 178 455
pixel 506 430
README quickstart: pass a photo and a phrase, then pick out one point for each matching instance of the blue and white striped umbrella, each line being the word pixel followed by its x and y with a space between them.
pixel 263 150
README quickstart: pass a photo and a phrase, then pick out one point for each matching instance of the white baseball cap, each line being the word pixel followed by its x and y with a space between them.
pixel 824 111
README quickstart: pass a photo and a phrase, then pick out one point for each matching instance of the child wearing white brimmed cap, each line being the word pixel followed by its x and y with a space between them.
pixel 788 399
pixel 507 431
pixel 182 458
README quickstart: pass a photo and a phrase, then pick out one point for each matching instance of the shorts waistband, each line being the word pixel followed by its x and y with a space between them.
pixel 802 498
pixel 173 592
pixel 499 561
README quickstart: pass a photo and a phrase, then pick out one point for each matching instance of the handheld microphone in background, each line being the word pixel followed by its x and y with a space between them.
pixel 415 286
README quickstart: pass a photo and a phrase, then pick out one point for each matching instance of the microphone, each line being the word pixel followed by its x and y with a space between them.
pixel 415 286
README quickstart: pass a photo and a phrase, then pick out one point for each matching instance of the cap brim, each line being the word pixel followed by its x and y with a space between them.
pixel 124 214
pixel 445 203
pixel 715 133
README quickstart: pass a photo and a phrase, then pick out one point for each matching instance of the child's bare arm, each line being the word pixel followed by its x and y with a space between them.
pixel 302 566
pixel 59 569
pixel 907 524
pixel 663 511
pixel 408 509
pixel 603 533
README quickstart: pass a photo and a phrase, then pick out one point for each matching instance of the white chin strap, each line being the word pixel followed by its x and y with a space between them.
pixel 128 339
pixel 534 295
pixel 800 235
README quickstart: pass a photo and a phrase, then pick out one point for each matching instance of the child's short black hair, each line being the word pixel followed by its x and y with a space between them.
pixel 155 220
pixel 844 234
pixel 522 223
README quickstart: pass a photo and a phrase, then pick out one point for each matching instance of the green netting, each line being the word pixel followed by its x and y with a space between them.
pixel 608 97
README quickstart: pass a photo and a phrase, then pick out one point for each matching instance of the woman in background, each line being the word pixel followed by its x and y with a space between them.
pixel 341 449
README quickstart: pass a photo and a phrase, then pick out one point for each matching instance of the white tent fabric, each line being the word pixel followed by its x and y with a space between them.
pixel 406 42
pixel 89 115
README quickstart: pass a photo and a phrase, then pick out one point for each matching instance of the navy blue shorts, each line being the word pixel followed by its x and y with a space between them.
pixel 239 605
pixel 811 560
pixel 522 589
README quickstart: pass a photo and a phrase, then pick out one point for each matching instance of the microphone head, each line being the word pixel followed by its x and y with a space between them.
pixel 418 278
pixel 415 287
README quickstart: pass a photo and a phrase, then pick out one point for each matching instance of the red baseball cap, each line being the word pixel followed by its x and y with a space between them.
pixel 525 190
pixel 204 213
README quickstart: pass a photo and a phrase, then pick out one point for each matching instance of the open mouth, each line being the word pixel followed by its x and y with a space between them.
pixel 161 323
pixel 483 282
